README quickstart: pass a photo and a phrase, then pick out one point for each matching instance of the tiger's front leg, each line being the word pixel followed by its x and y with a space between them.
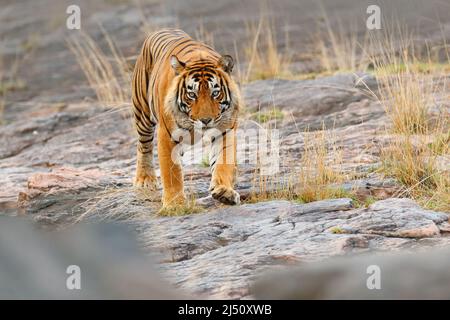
pixel 171 173
pixel 145 174
pixel 223 167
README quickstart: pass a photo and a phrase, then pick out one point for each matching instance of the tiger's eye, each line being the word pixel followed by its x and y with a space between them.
pixel 191 95
pixel 215 94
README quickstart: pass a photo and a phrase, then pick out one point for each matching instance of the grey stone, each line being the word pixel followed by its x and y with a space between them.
pixel 220 252
pixel 418 275
pixel 308 97
pixel 65 158
pixel 34 263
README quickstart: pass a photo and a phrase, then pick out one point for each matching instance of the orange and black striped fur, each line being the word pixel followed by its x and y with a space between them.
pixel 182 84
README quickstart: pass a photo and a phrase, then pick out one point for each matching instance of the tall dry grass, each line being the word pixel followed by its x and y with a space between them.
pixel 107 71
pixel 2 98
pixel 405 92
pixel 9 81
pixel 339 47
pixel 411 82
pixel 264 58
pixel 2 107
pixel 406 98
pixel 318 174
pixel 421 168
pixel 204 35
pixel 419 125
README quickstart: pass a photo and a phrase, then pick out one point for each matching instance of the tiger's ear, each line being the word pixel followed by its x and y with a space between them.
pixel 226 63
pixel 177 65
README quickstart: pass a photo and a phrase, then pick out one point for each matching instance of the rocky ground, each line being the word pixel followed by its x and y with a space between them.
pixel 65 158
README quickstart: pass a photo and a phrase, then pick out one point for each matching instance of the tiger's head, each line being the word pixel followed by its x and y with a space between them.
pixel 203 94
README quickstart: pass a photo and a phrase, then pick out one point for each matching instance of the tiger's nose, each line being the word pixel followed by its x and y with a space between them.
pixel 206 120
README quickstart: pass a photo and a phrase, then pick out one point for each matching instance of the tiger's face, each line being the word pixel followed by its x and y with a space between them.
pixel 203 95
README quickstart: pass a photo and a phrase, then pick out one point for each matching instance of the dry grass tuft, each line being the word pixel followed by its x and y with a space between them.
pixel 339 52
pixel 321 168
pixel 114 203
pixel 271 187
pixel 130 204
pixel 418 153
pixel 2 99
pixel 406 98
pixel 319 175
pixel 108 75
pixel 420 167
pixel 264 59
pixel 148 25
pixel 9 82
pixel 2 109
pixel 269 115
pixel 189 208
pixel 406 92
pixel 338 46
pixel 203 35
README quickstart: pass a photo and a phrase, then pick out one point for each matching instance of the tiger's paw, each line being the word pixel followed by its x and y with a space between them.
pixel 146 180
pixel 173 204
pixel 225 194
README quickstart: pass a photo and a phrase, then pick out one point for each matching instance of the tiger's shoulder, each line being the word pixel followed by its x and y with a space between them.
pixel 167 32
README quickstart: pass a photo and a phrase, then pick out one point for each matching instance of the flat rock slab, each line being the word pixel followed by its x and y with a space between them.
pixel 408 220
pixel 418 275
pixel 220 253
pixel 309 97
pixel 65 158
pixel 35 264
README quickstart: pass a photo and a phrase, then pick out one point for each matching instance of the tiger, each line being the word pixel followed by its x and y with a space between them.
pixel 179 83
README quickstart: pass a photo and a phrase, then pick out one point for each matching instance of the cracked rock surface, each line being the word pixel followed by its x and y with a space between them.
pixel 220 252
pixel 66 158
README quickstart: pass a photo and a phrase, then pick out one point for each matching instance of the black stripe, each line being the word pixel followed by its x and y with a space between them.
pixel 168 43
pixel 158 43
pixel 159 66
pixel 187 46
pixel 181 44
pixel 146 141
